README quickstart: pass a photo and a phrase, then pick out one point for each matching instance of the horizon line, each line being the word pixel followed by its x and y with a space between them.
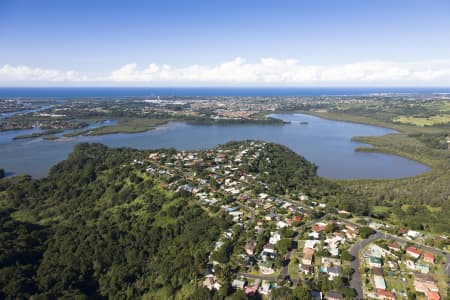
pixel 237 86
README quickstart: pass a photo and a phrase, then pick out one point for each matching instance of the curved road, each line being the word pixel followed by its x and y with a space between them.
pixel 356 282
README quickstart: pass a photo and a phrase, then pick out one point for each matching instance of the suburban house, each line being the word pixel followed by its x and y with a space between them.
pixel 413 252
pixel 252 290
pixel 297 218
pixel 318 228
pixel 413 234
pixel 282 224
pixel 424 283
pixel 311 243
pixel 379 282
pixel 433 296
pixel 275 237
pixel 351 232
pixel 270 217
pixel 378 278
pixel 377 251
pixel 250 247
pixel 410 265
pixel 208 283
pixel 377 271
pixel 269 248
pixel 264 289
pixel 383 294
pixel 211 283
pixel 394 247
pixel 328 262
pixel 238 284
pixel 422 268
pixel 334 272
pixel 308 255
pixel 266 267
pixel 314 235
pixel 428 257
pixel 375 262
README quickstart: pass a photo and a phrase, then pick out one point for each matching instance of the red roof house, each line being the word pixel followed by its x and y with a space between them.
pixel 414 252
pixel 394 247
pixel 428 257
pixel 318 228
pixel 297 218
pixel 383 294
pixel 433 295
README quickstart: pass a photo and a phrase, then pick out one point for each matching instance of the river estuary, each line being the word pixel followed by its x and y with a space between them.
pixel 324 142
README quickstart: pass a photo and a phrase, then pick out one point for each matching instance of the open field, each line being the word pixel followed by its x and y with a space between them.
pixel 419 121
pixel 134 125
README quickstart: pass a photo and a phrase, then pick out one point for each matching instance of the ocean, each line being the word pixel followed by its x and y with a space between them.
pixel 120 92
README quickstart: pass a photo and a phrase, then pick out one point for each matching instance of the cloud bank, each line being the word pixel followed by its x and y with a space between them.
pixel 267 71
pixel 25 73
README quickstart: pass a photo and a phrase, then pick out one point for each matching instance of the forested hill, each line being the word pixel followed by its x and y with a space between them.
pixel 103 233
pixel 99 226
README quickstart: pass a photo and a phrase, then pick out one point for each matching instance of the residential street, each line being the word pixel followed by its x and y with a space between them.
pixel 356 281
pixel 388 236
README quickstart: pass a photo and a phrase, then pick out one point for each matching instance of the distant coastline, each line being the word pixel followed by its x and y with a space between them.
pixel 118 92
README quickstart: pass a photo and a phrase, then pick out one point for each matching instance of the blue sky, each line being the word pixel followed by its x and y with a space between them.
pixel 316 42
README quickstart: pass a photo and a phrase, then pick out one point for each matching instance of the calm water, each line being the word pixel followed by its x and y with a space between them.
pixel 13 113
pixel 116 92
pixel 326 143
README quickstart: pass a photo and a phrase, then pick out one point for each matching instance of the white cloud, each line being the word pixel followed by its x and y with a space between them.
pixel 289 71
pixel 267 71
pixel 25 73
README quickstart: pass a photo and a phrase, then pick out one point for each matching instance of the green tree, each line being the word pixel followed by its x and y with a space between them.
pixel 284 245
pixel 201 293
pixel 283 293
pixel 239 295
pixel 347 256
pixel 366 231
pixel 301 292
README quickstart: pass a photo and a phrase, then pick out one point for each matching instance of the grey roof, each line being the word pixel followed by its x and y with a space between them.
pixel 333 294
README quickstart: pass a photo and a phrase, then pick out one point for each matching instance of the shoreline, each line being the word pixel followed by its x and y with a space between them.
pixel 434 168
pixel 64 139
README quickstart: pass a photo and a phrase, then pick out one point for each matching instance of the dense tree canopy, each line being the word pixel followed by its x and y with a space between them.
pixel 100 235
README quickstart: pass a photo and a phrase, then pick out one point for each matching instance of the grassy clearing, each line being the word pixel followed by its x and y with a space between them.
pixel 396 283
pixel 293 265
pixel 421 122
pixel 123 126
pixel 380 209
pixel 129 126
pixel 402 127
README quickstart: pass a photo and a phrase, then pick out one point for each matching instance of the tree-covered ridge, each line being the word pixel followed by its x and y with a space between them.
pixel 22 246
pixel 99 226
pixel 109 237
